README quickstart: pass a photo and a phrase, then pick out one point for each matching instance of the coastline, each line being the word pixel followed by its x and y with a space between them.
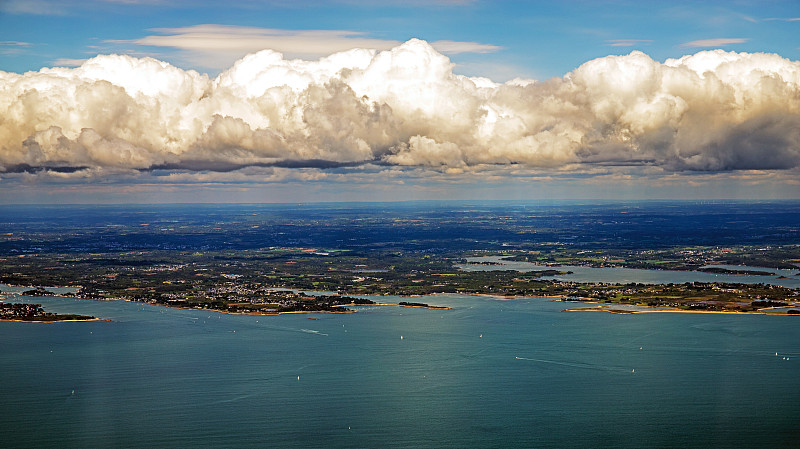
pixel 381 304
pixel 606 308
pixel 599 307
pixel 54 321
pixel 255 312
pixel 619 265
pixel 261 313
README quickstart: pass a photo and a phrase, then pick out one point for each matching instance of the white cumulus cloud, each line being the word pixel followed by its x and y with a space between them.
pixel 711 111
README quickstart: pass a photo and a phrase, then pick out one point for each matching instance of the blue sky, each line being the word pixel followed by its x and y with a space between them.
pixel 532 39
pixel 636 127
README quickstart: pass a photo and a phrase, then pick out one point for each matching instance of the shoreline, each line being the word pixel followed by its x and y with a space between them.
pixel 255 312
pixel 608 309
pixel 599 306
pixel 617 265
pixel 54 321
pixel 382 304
pixel 261 313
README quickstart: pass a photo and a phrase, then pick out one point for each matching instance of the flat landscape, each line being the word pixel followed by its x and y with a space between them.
pixel 322 257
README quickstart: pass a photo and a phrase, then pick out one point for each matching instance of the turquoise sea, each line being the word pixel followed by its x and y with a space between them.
pixel 490 373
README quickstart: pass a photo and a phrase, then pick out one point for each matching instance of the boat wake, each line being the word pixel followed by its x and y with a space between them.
pixel 575 364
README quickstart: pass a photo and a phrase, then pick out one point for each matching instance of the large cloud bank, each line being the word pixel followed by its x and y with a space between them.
pixel 713 110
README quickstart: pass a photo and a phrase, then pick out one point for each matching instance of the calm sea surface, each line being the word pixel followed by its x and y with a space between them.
pixel 488 373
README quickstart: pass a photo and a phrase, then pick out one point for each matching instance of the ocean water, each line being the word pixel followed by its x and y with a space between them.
pixel 489 373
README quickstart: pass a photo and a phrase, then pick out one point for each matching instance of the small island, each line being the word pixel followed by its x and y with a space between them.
pixel 34 313
pixel 718 270
pixel 420 305
pixel 38 291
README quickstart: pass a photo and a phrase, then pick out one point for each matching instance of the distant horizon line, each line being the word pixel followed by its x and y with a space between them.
pixel 514 201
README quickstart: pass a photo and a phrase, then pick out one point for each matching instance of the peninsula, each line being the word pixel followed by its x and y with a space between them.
pixel 36 314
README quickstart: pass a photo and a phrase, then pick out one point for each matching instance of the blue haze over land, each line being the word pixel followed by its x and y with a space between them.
pixel 416 225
